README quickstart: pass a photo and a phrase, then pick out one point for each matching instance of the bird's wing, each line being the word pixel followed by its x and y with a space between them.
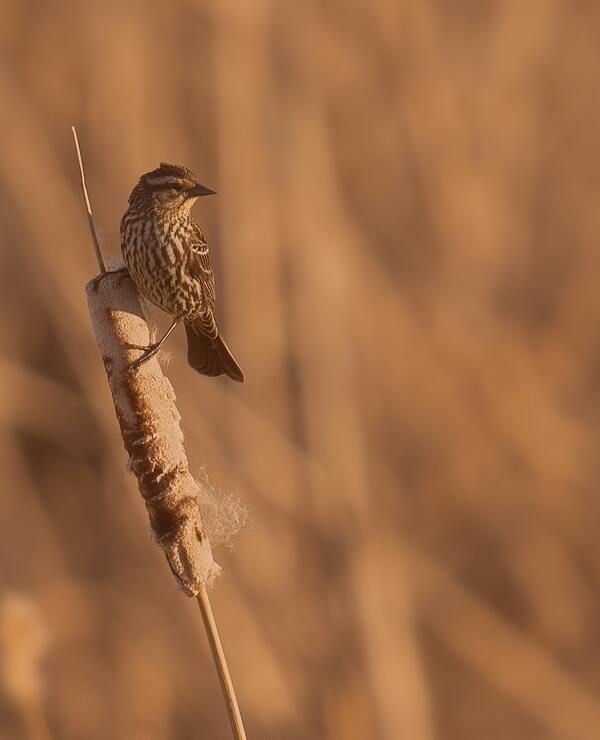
pixel 200 270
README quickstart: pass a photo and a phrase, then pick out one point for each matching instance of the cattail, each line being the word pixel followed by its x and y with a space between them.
pixel 24 640
pixel 144 402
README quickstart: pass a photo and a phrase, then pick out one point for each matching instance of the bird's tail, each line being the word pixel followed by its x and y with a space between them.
pixel 211 356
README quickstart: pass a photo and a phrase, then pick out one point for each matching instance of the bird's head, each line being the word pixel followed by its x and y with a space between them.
pixel 168 187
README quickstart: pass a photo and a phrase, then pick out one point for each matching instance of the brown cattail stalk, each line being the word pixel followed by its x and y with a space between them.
pixel 88 205
pixel 144 402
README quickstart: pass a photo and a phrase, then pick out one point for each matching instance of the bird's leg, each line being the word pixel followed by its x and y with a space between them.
pixel 151 349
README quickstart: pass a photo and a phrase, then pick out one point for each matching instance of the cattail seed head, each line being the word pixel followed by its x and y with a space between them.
pixel 150 426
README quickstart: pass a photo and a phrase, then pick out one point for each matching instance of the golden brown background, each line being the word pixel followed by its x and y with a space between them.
pixel 407 251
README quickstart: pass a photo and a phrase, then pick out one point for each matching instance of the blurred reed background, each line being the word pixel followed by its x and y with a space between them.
pixel 407 252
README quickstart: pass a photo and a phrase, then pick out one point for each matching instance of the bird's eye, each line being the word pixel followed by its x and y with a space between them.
pixel 176 186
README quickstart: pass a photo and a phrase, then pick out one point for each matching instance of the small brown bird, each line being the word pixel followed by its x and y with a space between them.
pixel 168 259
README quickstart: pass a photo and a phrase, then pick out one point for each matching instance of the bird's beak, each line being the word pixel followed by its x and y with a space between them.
pixel 199 190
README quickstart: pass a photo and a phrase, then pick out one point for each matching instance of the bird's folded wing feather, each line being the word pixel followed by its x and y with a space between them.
pixel 200 270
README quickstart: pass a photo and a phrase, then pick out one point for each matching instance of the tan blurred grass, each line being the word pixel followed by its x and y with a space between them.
pixel 406 245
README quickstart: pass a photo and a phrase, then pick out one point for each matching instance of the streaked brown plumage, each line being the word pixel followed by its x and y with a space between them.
pixel 168 259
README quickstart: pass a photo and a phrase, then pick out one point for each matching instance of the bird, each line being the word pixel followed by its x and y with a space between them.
pixel 168 260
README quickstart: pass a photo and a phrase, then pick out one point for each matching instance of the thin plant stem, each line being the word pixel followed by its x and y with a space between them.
pixel 88 204
pixel 233 709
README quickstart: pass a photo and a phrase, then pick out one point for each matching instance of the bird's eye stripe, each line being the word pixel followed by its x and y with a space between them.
pixel 169 182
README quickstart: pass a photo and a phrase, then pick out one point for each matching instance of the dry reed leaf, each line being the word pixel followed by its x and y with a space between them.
pixel 514 664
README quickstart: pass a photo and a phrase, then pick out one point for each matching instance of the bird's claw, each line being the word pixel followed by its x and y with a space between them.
pixel 146 355
pixel 145 347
